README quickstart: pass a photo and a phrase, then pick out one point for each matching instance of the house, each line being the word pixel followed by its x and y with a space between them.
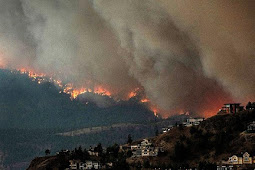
pixel 231 108
pixel 193 121
pixel 145 148
pixel 145 143
pixel 247 159
pixel 166 129
pixel 241 159
pixel 134 147
pixel 235 160
pixel 63 152
pixel 74 164
pixel 92 152
pixel 92 164
pixel 251 127
pixel 137 153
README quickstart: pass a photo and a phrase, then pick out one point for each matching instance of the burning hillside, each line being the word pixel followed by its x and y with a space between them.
pixel 67 88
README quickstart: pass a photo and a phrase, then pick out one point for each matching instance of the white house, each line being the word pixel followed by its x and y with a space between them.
pixel 145 148
pixel 166 129
pixel 92 164
pixel 251 127
pixel 193 121
pixel 145 143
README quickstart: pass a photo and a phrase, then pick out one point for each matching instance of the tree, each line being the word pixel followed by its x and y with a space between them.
pixel 156 130
pixel 253 105
pixel 193 130
pixel 47 152
pixel 129 141
pixel 99 149
pixel 146 164
pixel 248 106
pixel 129 153
pixel 180 151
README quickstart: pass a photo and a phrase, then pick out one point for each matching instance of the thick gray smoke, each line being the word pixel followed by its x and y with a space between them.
pixel 186 55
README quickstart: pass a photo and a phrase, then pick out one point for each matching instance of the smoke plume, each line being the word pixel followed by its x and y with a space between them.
pixel 185 55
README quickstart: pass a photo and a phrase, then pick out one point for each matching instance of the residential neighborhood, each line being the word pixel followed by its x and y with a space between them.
pixel 88 164
pixel 237 161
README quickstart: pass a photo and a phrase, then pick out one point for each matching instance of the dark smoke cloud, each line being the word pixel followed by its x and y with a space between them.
pixel 186 55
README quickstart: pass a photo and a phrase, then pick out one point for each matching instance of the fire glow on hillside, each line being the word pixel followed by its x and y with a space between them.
pixel 68 88
pixel 74 92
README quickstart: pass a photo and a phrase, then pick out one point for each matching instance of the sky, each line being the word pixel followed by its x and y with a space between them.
pixel 183 55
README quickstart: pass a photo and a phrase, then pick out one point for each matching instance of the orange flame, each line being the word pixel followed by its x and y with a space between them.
pixel 155 110
pixel 133 93
pixel 145 100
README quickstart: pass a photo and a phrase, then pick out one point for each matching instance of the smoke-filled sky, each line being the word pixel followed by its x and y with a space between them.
pixel 185 55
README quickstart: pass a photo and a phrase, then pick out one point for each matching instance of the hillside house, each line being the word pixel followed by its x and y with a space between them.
pixel 92 152
pixel 63 152
pixel 145 148
pixel 92 165
pixel 251 127
pixel 231 108
pixel 145 143
pixel 166 129
pixel 193 122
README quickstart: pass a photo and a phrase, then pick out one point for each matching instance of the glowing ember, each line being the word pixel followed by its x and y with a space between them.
pixel 1 63
pixel 133 93
pixel 155 111
pixel 145 100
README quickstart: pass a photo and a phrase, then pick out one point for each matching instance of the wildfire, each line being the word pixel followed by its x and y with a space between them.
pixel 65 88
pixel 77 92
pixel 74 92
